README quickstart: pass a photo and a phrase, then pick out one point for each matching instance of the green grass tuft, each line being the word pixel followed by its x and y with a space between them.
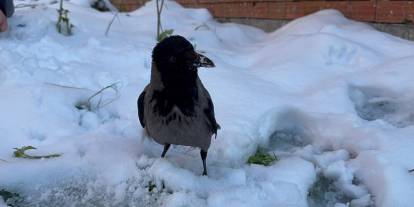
pixel 164 34
pixel 21 153
pixel 262 158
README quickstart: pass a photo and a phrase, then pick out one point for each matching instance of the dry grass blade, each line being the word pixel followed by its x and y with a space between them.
pixel 63 86
pixel 100 104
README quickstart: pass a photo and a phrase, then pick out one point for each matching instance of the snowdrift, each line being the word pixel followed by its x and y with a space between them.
pixel 330 97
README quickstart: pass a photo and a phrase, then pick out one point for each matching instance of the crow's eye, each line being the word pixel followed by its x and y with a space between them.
pixel 190 55
pixel 172 59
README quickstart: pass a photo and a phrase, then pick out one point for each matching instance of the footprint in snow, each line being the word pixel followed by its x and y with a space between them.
pixel 341 55
pixel 373 103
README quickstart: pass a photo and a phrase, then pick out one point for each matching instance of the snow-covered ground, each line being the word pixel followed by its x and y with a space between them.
pixel 331 97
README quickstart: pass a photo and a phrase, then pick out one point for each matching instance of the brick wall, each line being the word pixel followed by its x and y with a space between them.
pixel 383 11
pixel 128 5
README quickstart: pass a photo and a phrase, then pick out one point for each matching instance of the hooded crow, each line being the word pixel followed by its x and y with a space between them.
pixel 174 107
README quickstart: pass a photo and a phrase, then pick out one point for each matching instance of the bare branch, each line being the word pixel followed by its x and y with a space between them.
pixel 110 24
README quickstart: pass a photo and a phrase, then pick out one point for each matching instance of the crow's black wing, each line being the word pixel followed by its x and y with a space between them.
pixel 211 119
pixel 7 7
pixel 140 104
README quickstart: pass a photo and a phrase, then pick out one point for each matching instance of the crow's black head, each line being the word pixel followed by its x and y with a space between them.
pixel 176 55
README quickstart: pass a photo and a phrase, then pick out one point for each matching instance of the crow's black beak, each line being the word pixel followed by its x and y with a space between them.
pixel 203 61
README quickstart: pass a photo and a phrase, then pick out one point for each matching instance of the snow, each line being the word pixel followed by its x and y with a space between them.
pixel 330 97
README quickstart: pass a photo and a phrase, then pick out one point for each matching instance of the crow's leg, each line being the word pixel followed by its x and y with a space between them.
pixel 166 147
pixel 203 157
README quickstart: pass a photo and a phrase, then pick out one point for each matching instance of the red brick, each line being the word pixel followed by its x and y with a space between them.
pixel 313 6
pixel 259 10
pixel 409 11
pixel 232 1
pixel 225 9
pixel 341 6
pixel 128 5
pixel 294 10
pixel 299 9
pixel 362 10
pixel 277 10
pixel 390 11
pixel 187 1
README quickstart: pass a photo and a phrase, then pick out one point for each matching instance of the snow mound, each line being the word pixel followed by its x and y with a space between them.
pixel 330 97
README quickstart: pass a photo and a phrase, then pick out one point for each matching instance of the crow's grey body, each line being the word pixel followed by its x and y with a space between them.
pixel 176 127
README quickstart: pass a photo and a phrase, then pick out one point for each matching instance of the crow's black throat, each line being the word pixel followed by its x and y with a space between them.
pixel 180 91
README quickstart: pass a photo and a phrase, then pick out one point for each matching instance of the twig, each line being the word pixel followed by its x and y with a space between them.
pixel 159 11
pixel 162 6
pixel 158 18
pixel 274 155
pixel 63 19
pixel 110 24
